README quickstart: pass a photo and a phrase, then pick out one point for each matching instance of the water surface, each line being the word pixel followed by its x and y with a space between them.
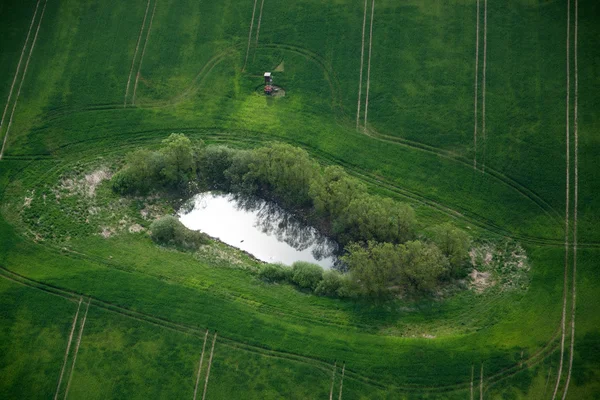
pixel 261 228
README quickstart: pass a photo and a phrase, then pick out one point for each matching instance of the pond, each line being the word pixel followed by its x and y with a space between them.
pixel 258 227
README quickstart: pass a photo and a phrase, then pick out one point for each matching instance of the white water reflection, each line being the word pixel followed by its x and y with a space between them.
pixel 261 228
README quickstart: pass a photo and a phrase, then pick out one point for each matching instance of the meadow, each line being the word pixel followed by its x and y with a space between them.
pixel 461 108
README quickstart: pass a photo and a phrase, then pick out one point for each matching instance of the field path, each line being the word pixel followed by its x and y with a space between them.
pixel 200 365
pixel 137 77
pixel 137 46
pixel 249 36
pixel 362 61
pixel 212 350
pixel 342 380
pixel 472 376
pixel 77 347
pixel 332 381
pixel 483 84
pixel 369 64
pixel 481 383
pixel 575 206
pixel 37 31
pixel 262 3
pixel 62 371
pixel 12 86
pixel 567 203
pixel 189 330
pixel 476 87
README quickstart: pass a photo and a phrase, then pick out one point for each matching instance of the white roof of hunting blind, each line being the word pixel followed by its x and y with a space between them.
pixel 267 74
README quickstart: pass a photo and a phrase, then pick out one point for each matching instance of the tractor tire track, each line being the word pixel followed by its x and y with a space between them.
pixel 212 350
pixel 12 86
pixel 137 77
pixel 62 371
pixel 37 31
pixel 332 381
pixel 476 88
pixel 483 84
pixel 567 204
pixel 249 36
pixel 369 64
pixel 262 3
pixel 200 365
pixel 472 372
pixel 362 61
pixel 137 46
pixel 342 380
pixel 575 206
pixel 323 365
pixel 77 347
pixel 481 383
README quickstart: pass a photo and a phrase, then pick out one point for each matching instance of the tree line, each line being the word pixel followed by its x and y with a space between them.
pixel 386 251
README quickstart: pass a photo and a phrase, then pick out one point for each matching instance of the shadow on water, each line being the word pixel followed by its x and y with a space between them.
pixel 268 219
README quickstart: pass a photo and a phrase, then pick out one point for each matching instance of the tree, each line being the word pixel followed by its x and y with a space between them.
pixel 375 268
pixel 283 171
pixel 422 265
pixel 306 275
pixel 333 190
pixel 179 161
pixel 453 243
pixel 375 218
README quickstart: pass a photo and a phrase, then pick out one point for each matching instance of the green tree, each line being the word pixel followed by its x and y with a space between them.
pixel 333 190
pixel 375 218
pixel 422 265
pixel 179 160
pixel 454 244
pixel 306 275
pixel 375 268
pixel 283 171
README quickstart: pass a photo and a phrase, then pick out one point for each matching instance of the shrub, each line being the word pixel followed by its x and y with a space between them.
pixel 330 284
pixel 169 231
pixel 275 273
pixel 306 275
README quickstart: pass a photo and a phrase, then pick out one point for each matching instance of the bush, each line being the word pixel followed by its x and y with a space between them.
pixel 275 273
pixel 306 275
pixel 169 231
pixel 330 284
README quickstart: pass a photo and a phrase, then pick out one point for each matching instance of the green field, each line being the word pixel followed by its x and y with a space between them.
pixel 85 82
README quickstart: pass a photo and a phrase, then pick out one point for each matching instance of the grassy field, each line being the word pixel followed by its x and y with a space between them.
pixel 93 80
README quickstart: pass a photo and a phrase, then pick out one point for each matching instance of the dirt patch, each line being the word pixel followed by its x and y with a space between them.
pixel 107 232
pixel 480 281
pixel 502 264
pixel 135 228
pixel 27 201
pixel 94 179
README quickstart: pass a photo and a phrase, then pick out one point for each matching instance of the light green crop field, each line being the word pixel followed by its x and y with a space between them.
pixel 481 113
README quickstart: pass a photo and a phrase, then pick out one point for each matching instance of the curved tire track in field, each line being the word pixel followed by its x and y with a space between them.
pixel 140 137
pixel 137 77
pixel 332 381
pixel 502 178
pixel 137 46
pixel 539 356
pixel 62 371
pixel 330 77
pixel 37 31
pixel 12 86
